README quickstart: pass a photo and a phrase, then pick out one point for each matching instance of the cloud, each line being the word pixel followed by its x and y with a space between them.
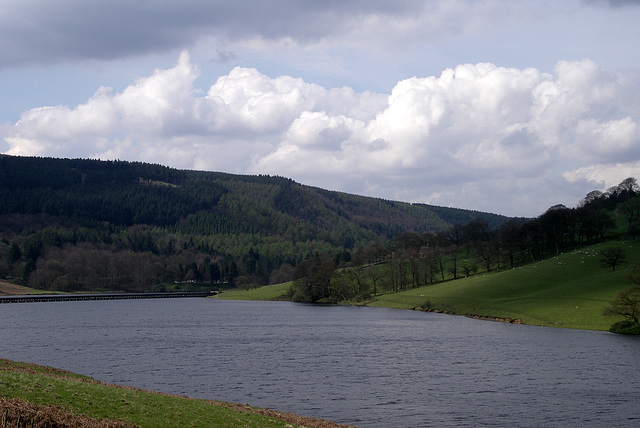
pixel 607 175
pixel 43 32
pixel 613 3
pixel 471 121
pixel 225 56
pixel 478 136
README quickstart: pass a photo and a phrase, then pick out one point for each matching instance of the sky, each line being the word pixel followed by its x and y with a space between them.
pixel 507 107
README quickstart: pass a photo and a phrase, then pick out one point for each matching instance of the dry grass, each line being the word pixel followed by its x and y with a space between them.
pixel 6 289
pixel 20 413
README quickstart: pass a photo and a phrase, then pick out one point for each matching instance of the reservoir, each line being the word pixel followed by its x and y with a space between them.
pixel 370 367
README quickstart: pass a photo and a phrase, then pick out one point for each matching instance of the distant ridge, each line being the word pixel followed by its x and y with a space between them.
pixel 129 193
pixel 199 226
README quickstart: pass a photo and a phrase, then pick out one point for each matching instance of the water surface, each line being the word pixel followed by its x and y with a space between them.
pixel 372 367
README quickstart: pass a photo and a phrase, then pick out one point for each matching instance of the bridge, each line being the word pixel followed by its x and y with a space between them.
pixel 31 298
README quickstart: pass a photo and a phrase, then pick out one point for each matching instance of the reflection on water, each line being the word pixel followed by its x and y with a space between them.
pixel 370 367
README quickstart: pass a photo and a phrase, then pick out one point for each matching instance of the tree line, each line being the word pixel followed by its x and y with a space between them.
pixel 411 260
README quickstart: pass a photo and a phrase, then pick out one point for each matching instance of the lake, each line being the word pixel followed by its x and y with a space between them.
pixel 370 367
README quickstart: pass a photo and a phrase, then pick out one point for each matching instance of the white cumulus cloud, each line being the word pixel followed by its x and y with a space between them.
pixel 479 136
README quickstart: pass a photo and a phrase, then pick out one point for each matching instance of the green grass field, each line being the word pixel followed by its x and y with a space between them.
pixel 268 292
pixel 570 291
pixel 79 395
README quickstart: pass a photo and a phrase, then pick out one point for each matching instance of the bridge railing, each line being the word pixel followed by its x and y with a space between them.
pixel 31 298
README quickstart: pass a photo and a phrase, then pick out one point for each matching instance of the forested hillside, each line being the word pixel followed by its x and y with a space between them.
pixel 73 224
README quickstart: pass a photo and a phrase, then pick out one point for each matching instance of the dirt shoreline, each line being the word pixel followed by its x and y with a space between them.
pixel 477 317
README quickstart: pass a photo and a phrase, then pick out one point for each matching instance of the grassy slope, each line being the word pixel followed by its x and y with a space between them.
pixel 268 292
pixel 7 288
pixel 570 290
pixel 80 395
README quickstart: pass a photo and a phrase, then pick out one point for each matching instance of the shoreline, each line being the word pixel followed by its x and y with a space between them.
pixel 443 311
pixel 475 316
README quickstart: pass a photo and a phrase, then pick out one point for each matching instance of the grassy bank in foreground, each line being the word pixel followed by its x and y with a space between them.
pixel 570 290
pixel 82 401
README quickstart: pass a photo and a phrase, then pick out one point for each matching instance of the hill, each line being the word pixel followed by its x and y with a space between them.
pixel 570 290
pixel 74 224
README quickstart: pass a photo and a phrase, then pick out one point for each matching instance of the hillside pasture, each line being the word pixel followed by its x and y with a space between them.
pixel 570 290
pixel 267 292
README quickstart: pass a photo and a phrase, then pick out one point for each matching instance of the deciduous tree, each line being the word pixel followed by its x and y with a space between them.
pixel 627 304
pixel 612 256
pixel 313 279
